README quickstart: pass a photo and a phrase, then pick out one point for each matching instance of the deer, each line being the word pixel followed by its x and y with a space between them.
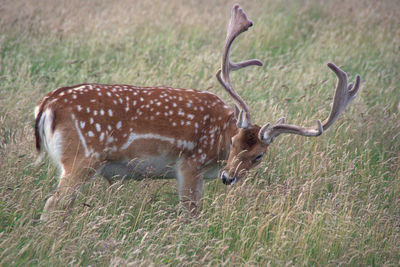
pixel 120 131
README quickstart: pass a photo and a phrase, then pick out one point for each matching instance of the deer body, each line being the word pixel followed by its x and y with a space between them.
pixel 128 131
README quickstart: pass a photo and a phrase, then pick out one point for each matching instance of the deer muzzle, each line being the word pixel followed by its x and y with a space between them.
pixel 226 179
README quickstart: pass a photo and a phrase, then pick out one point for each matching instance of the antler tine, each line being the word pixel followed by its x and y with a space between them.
pixel 344 94
pixel 237 24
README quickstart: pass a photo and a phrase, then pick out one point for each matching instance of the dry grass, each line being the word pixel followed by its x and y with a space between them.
pixel 325 201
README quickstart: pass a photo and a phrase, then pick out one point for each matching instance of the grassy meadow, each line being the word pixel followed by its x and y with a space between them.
pixel 332 200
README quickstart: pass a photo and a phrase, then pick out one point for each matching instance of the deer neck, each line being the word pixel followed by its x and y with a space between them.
pixel 230 131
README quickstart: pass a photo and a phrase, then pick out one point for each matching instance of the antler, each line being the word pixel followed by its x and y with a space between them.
pixel 344 94
pixel 238 24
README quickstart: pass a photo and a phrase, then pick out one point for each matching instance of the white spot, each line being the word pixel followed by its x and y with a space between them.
pixel 91 120
pixel 74 96
pixel 134 103
pixel 190 116
pixel 101 137
pixel 110 139
pixel 108 93
pixel 101 111
pixel 79 107
pixel 95 112
pixel 98 127
pixel 92 100
pixel 87 109
pixel 90 134
pixel 82 124
pixel 119 124
pixel 110 113
pixel 185 144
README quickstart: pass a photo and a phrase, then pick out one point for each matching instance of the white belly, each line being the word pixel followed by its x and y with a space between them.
pixel 212 172
pixel 150 167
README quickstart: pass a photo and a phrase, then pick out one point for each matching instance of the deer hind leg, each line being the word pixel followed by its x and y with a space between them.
pixel 72 178
pixel 190 185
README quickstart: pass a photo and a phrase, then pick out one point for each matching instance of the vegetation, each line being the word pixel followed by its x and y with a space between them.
pixel 314 201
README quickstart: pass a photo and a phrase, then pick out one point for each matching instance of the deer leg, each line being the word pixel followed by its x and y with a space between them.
pixel 71 180
pixel 190 185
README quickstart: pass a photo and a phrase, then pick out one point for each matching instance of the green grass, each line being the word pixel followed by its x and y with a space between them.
pixel 314 201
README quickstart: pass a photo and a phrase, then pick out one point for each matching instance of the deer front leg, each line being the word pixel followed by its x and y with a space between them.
pixel 190 185
pixel 71 180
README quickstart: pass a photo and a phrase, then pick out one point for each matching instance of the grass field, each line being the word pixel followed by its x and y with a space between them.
pixel 332 200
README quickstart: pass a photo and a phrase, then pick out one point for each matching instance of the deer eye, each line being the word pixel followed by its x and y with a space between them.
pixel 256 159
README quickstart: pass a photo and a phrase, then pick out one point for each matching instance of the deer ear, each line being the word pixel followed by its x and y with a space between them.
pixel 237 112
pixel 242 120
pixel 262 134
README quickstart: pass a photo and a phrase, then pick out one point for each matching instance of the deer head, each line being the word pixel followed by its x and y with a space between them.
pixel 251 141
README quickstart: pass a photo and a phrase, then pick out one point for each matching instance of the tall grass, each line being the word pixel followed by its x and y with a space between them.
pixel 318 201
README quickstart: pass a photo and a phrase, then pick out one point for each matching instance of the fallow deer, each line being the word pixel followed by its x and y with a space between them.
pixel 130 131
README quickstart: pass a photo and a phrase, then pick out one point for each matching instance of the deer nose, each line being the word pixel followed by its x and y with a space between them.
pixel 226 179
